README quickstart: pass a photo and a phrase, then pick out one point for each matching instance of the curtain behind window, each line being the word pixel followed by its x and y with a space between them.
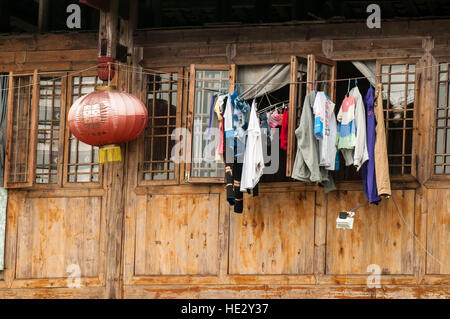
pixel 259 79
pixel 396 98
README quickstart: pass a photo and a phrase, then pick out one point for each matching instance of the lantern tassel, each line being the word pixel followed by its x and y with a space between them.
pixel 109 153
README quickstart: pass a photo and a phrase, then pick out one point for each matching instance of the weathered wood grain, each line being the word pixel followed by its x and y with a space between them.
pixel 282 291
pixel 259 243
pixel 182 241
pixel 438 231
pixel 379 235
pixel 54 233
pixel 177 235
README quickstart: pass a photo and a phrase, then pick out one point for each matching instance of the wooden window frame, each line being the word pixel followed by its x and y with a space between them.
pixel 231 68
pixel 431 175
pixel 65 182
pixel 379 62
pixel 32 132
pixel 63 124
pixel 311 72
pixel 178 124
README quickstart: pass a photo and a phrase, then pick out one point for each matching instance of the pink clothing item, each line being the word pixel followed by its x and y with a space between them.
pixel 221 138
pixel 275 119
pixel 284 131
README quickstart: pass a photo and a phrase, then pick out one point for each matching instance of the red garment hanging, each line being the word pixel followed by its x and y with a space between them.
pixel 284 131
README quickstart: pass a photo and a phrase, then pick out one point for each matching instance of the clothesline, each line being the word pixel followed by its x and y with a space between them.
pixel 128 68
pixel 48 72
pixel 157 72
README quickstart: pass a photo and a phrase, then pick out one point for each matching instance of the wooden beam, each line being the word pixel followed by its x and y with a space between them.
pixel 102 5
pixel 43 16
pixel 108 30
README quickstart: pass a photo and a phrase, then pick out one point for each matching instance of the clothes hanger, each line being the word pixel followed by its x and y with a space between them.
pixel 272 106
pixel 348 88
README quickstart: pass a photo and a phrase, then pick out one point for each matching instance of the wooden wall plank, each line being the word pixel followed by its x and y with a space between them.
pixel 177 235
pixel 283 291
pixel 320 234
pixel 43 42
pixel 54 233
pixel 438 231
pixel 305 31
pixel 49 66
pixel 259 243
pixel 379 235
pixel 52 293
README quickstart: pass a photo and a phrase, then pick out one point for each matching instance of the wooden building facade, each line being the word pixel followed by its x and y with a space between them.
pixel 151 228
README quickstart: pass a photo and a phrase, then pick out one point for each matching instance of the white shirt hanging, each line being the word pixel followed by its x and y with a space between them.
pixel 324 109
pixel 253 165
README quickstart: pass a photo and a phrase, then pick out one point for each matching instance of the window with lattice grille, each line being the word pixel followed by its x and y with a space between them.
pixel 204 83
pixel 163 102
pixel 50 130
pixel 399 90
pixel 442 145
pixel 20 157
pixel 81 159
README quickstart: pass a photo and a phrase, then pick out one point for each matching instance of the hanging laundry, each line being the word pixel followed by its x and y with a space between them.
pixel 275 118
pixel 346 131
pixel 265 123
pixel 218 110
pixel 253 165
pixel 380 150
pixel 238 195
pixel 324 109
pixel 338 159
pixel 228 119
pixel 235 125
pixel 240 125
pixel 368 168
pixel 351 138
pixel 228 149
pixel 211 113
pixel 360 155
pixel 306 164
pixel 284 131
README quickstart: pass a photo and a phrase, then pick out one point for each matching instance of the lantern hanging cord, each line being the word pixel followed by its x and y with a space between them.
pixel 155 72
pixel 47 72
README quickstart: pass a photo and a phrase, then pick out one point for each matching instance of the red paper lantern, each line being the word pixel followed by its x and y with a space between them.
pixel 107 116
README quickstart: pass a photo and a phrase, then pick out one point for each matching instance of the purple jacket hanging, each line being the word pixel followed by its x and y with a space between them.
pixel 368 168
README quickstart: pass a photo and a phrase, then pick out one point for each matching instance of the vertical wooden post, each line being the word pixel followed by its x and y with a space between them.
pixel 293 89
pixel 43 16
pixel 115 172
